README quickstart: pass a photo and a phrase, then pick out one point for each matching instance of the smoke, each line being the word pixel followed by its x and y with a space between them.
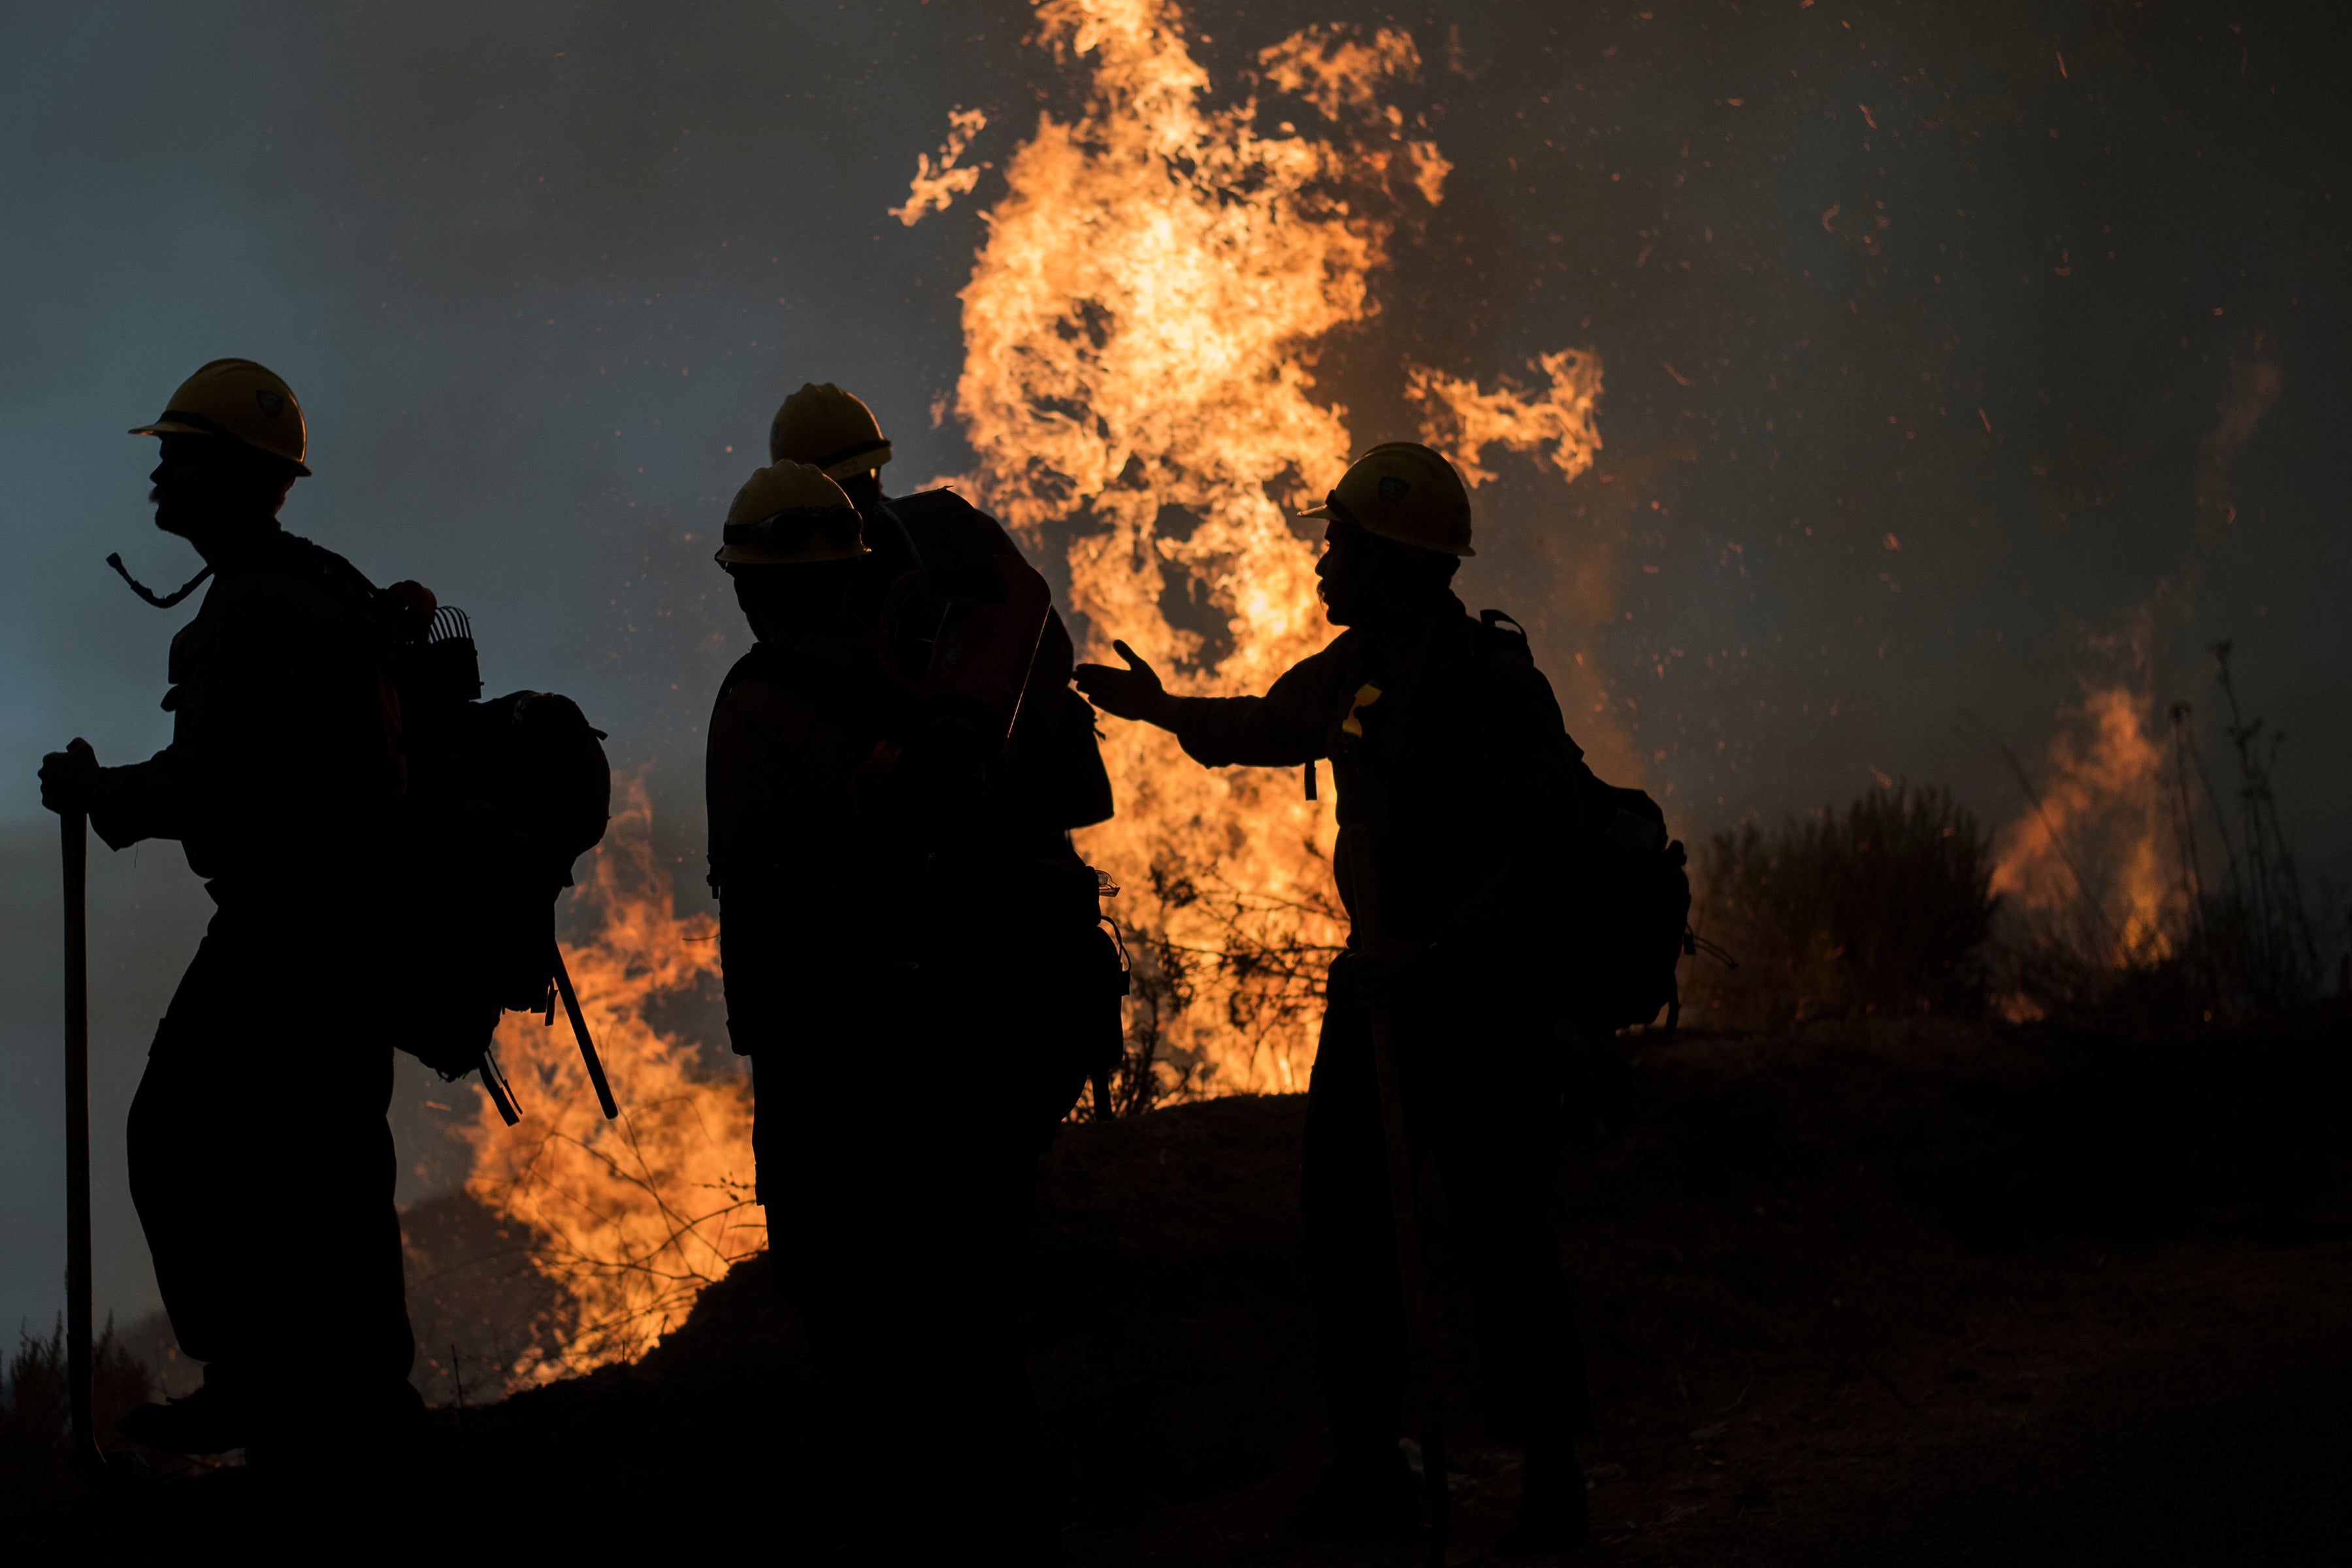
pixel 534 269
pixel 2095 860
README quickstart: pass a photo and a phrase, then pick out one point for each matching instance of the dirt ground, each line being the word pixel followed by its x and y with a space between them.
pixel 1913 1295
pixel 1873 1295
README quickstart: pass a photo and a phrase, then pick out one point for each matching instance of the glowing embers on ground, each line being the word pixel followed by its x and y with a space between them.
pixel 633 1218
pixel 1140 333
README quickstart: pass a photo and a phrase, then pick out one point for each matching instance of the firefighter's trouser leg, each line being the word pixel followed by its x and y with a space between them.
pixel 1486 1120
pixel 263 1171
pixel 1496 1147
pixel 894 1234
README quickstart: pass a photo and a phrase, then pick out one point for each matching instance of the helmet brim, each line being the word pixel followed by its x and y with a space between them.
pixel 174 427
pixel 1327 510
pixel 757 545
pixel 857 463
pixel 751 555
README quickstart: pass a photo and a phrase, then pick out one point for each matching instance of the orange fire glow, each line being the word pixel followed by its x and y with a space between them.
pixel 1140 330
pixel 2090 852
pixel 1139 334
pixel 634 1217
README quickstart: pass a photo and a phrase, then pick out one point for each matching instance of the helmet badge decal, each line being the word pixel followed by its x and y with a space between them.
pixel 1392 490
pixel 272 405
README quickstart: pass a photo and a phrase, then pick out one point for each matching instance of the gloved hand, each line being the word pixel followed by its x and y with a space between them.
pixel 1134 692
pixel 68 777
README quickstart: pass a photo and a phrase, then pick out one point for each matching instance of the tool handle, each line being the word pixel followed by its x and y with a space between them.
pixel 493 1084
pixel 587 1046
pixel 75 840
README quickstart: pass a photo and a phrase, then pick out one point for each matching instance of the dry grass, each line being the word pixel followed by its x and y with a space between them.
pixel 35 1416
pixel 1881 908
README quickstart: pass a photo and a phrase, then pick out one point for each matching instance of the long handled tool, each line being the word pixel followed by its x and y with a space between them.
pixel 1421 1332
pixel 587 1046
pixel 78 1353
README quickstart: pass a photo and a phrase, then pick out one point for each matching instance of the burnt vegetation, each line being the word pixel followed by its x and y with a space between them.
pixel 36 1408
pixel 1263 958
pixel 1884 908
pixel 2240 941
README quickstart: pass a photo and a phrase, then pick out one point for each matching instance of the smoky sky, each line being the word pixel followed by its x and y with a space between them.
pixel 1944 345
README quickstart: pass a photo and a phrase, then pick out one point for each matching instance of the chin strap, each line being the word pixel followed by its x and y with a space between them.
pixel 168 600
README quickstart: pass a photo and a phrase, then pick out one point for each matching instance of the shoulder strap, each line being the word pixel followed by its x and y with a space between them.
pixel 944 521
pixel 1507 636
pixel 1503 637
pixel 298 558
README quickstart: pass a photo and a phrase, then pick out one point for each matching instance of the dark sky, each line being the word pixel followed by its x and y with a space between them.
pixel 1941 342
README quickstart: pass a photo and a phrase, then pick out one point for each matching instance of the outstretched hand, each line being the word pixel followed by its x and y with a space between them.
pixel 1134 692
pixel 67 777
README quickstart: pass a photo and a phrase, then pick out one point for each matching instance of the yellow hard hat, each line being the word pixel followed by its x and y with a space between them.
pixel 240 400
pixel 790 514
pixel 823 425
pixel 1403 491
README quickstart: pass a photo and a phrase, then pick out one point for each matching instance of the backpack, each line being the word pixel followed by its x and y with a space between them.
pixel 975 631
pixel 501 797
pixel 974 627
pixel 1635 925
pixel 1632 926
pixel 497 800
pixel 965 627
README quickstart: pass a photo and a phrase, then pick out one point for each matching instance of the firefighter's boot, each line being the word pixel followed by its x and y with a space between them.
pixel 1552 1516
pixel 215 1419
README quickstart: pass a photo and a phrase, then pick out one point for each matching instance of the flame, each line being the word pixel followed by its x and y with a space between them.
pixel 633 1218
pixel 2089 851
pixel 1462 421
pixel 1139 334
pixel 935 187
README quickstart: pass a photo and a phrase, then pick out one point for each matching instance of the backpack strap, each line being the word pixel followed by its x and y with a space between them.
pixel 943 522
pixel 1507 636
pixel 298 558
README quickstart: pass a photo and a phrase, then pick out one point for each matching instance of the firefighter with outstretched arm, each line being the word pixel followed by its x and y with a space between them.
pixel 1453 767
pixel 260 1160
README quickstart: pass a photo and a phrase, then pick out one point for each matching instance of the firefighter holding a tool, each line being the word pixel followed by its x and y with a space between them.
pixel 260 1160
pixel 1451 762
